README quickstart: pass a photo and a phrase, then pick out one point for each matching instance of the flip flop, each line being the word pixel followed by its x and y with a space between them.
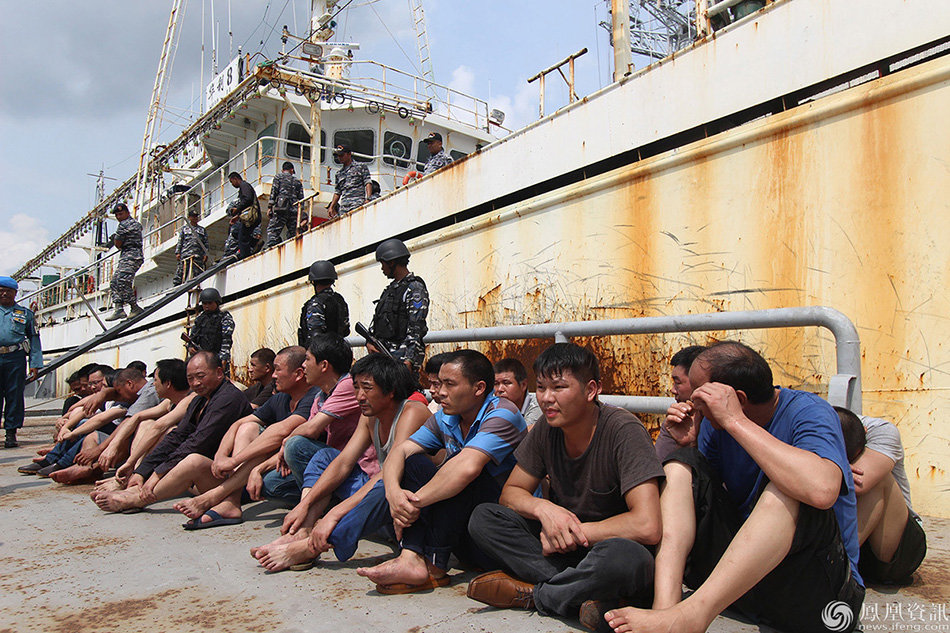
pixel 400 588
pixel 216 521
pixel 304 566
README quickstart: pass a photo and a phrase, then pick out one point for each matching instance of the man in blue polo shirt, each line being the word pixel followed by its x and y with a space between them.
pixel 761 516
pixel 430 505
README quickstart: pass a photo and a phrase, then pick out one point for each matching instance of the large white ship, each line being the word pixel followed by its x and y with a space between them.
pixel 792 159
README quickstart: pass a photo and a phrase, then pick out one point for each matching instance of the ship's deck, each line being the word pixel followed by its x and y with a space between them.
pixel 65 566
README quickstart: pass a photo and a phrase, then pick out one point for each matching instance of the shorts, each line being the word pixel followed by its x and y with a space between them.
pixel 899 571
pixel 815 574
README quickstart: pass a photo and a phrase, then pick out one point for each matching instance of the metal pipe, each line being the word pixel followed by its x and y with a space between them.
pixel 847 341
pixel 620 37
pixel 639 404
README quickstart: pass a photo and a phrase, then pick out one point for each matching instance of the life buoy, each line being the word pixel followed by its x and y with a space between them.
pixel 409 176
pixel 90 284
pixel 34 307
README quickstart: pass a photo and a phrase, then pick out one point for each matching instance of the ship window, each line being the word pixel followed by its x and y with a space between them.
pixel 300 147
pixel 457 155
pixel 422 155
pixel 360 141
pixel 267 148
pixel 396 146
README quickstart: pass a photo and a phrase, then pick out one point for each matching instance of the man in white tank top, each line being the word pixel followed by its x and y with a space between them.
pixel 389 416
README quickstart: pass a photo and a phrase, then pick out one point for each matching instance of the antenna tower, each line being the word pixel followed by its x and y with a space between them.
pixel 658 28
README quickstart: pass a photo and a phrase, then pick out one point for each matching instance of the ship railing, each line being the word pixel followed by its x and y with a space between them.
pixel 373 83
pixel 844 387
pixel 212 193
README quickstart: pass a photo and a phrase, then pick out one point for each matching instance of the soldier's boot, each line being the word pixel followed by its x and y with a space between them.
pixel 135 310
pixel 10 440
pixel 118 314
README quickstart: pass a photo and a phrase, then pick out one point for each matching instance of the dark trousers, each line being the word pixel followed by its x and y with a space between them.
pixel 246 239
pixel 815 573
pixel 12 384
pixel 281 219
pixel 612 569
pixel 440 529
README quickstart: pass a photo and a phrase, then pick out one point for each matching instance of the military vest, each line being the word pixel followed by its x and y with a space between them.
pixel 391 320
pixel 206 333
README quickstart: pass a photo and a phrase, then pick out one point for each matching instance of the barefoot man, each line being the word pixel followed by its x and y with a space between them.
pixel 383 386
pixel 761 513
pixel 245 445
pixel 431 505
pixel 218 405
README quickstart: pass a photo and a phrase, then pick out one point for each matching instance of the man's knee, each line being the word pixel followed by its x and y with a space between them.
pixel 619 560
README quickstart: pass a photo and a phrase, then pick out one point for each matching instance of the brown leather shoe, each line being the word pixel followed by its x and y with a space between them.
pixel 498 589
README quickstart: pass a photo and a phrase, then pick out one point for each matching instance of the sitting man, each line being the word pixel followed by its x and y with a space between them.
pixel 431 369
pixel 333 419
pixel 249 441
pixel 353 476
pixel 893 542
pixel 511 381
pixel 260 369
pixel 587 543
pixel 195 438
pixel 430 505
pixel 761 514
pixel 682 390
pixel 130 386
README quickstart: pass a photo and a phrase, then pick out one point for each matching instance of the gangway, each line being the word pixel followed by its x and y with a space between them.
pixel 115 331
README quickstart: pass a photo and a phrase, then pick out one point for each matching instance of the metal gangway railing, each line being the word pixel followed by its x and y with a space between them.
pixel 844 388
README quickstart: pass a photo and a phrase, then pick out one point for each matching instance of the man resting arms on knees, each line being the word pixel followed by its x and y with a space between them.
pixel 587 542
pixel 383 386
pixel 763 511
pixel 197 436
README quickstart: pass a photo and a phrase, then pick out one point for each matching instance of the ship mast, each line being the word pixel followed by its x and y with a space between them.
pixel 158 91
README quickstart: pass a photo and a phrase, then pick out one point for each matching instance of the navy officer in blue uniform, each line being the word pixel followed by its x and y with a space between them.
pixel 18 339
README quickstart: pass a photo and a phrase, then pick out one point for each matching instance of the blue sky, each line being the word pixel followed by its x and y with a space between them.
pixel 76 79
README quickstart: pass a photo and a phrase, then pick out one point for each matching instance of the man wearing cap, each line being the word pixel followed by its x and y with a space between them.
pixel 128 239
pixel 400 318
pixel 437 156
pixel 326 311
pixel 285 193
pixel 18 338
pixel 192 249
pixel 353 183
pixel 213 328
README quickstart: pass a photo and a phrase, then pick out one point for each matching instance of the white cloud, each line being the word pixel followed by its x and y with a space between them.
pixel 519 110
pixel 23 237
pixel 463 80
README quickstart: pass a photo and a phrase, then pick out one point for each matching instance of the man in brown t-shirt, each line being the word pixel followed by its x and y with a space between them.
pixel 586 544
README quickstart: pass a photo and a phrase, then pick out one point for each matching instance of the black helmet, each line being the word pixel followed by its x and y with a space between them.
pixel 322 270
pixel 210 294
pixel 391 249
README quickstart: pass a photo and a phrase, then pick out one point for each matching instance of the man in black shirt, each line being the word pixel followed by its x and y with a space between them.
pixel 245 213
pixel 218 405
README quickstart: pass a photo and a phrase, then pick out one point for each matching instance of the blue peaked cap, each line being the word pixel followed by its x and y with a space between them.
pixel 8 282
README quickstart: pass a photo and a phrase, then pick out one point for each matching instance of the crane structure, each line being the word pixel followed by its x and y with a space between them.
pixel 155 106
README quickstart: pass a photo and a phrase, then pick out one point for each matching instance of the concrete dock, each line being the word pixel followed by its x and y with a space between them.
pixel 67 567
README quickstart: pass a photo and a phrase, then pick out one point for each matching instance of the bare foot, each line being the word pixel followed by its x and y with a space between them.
pixel 43 451
pixel 680 618
pixel 119 500
pixel 75 474
pixel 408 568
pixel 280 557
pixel 110 484
pixel 302 535
pixel 195 507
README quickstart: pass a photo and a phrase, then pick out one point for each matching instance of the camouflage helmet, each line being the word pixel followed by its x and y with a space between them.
pixel 322 270
pixel 390 250
pixel 210 294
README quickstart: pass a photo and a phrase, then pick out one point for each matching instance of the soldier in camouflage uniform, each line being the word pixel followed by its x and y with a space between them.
pixel 213 329
pixel 326 311
pixel 128 239
pixel 353 183
pixel 192 249
pixel 437 156
pixel 400 319
pixel 285 193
